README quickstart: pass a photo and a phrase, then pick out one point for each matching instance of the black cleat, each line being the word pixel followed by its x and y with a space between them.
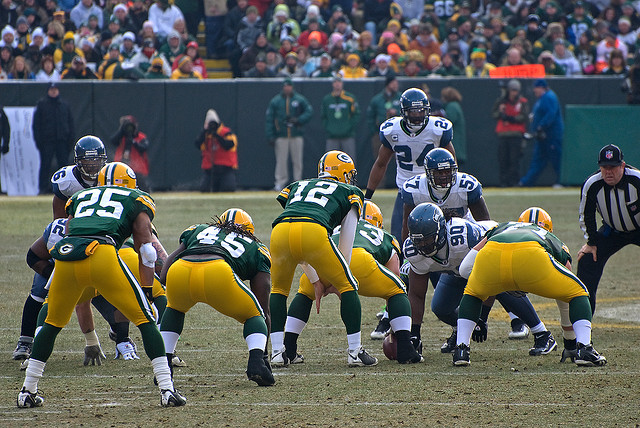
pixel 586 356
pixel 543 344
pixel 461 355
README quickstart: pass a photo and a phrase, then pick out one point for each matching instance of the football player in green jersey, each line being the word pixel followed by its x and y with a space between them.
pixel 209 266
pixel 302 235
pixel 523 257
pixel 100 220
pixel 376 265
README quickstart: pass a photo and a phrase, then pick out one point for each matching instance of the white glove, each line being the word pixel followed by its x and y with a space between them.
pixel 127 351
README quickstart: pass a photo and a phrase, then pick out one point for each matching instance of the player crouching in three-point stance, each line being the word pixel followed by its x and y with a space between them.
pixel 100 220
pixel 376 265
pixel 523 257
pixel 209 266
pixel 302 234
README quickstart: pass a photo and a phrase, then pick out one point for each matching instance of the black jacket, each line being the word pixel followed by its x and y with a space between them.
pixel 52 122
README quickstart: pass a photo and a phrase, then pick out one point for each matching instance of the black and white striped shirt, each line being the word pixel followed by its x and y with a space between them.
pixel 619 205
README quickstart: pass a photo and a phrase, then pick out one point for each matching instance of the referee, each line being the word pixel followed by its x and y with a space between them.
pixel 613 191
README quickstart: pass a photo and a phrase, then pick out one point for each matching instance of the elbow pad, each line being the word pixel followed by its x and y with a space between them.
pixel 467 264
pixel 148 255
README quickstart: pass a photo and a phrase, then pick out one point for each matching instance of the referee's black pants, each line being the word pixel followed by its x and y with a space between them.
pixel 609 242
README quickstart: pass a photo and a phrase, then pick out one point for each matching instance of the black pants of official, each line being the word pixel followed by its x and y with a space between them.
pixel 609 243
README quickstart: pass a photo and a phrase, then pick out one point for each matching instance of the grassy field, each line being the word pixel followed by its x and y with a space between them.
pixel 504 386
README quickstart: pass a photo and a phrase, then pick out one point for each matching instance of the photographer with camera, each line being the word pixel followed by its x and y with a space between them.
pixel 511 110
pixel 219 148
pixel 286 116
pixel 546 128
pixel 132 145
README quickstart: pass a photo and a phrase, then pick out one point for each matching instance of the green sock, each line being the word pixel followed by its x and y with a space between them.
pixel 43 342
pixel 579 309
pixel 470 308
pixel 350 311
pixel 398 306
pixel 152 340
pixel 254 325
pixel 300 307
pixel 278 306
pixel 161 304
pixel 172 320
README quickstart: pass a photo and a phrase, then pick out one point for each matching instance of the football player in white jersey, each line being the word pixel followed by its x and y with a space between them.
pixel 437 245
pixel 410 137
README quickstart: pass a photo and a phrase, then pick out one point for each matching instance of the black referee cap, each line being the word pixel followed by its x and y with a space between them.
pixel 610 155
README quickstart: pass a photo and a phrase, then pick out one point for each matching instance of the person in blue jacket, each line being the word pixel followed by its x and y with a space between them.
pixel 546 128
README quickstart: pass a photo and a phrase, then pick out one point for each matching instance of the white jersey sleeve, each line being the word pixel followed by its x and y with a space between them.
pixel 411 147
pixel 54 232
pixel 65 183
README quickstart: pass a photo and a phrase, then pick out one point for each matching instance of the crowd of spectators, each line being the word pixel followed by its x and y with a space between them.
pixel 48 40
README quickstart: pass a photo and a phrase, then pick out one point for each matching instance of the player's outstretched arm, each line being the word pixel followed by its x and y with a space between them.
pixel 378 170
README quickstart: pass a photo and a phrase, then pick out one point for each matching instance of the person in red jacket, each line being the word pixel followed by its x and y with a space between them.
pixel 132 145
pixel 511 110
pixel 218 145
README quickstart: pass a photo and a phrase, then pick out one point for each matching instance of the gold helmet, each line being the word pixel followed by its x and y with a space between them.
pixel 537 216
pixel 117 174
pixel 372 214
pixel 238 216
pixel 338 165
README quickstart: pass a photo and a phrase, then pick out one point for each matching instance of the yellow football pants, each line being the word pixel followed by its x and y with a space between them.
pixel 108 275
pixel 521 266
pixel 214 283
pixel 306 241
pixel 374 280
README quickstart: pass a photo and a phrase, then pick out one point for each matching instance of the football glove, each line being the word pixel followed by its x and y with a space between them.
pixel 480 332
pixel 93 354
pixel 417 344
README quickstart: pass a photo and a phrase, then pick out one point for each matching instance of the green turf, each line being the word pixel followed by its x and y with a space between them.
pixel 504 386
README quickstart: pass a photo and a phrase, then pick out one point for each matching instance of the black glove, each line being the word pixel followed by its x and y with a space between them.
pixel 5 148
pixel 480 332
pixel 148 291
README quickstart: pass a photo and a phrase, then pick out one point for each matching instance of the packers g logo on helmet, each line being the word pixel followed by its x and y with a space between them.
pixel 238 216
pixel 117 174
pixel 537 216
pixel 338 165
pixel 372 214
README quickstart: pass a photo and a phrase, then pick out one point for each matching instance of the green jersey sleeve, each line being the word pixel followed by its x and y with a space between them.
pixel 375 241
pixel 526 232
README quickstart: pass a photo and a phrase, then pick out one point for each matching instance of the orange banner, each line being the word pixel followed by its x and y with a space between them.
pixel 526 70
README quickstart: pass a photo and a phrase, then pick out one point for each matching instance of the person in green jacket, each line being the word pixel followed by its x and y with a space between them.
pixel 451 99
pixel 286 116
pixel 340 117
pixel 382 106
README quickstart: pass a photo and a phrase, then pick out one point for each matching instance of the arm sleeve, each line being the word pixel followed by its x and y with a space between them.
pixel 348 232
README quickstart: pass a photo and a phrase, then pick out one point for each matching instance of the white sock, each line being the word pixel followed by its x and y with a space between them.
pixel 256 341
pixel 354 341
pixel 582 328
pixel 91 338
pixel 170 339
pixel 538 328
pixel 277 341
pixel 401 323
pixel 34 372
pixel 162 372
pixel 294 325
pixel 465 329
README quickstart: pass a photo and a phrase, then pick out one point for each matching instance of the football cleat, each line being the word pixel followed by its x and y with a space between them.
pixel 27 399
pixel 407 354
pixel 519 330
pixel 279 359
pixel 543 344
pixel 381 330
pixel 569 350
pixel 169 398
pixel 127 350
pixel 417 344
pixel 586 356
pixel 360 358
pixel 461 355
pixel 450 345
pixel 23 349
pixel 298 359
pixel 177 361
pixel 259 372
